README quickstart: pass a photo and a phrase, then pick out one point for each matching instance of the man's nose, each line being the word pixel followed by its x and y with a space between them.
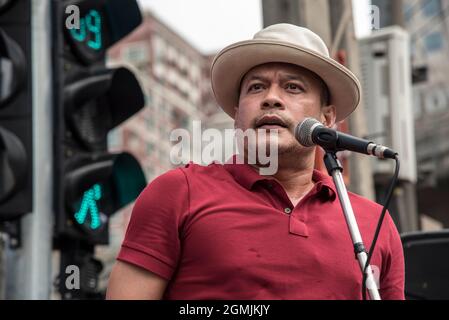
pixel 272 99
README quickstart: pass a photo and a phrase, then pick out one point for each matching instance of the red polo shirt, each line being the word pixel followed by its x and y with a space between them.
pixel 226 232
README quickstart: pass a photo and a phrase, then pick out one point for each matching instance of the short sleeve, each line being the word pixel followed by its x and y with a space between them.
pixel 393 269
pixel 152 237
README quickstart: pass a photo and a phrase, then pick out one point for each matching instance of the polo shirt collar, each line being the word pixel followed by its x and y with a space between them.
pixel 247 175
pixel 244 174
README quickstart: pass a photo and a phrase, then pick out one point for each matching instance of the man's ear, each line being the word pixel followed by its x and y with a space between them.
pixel 328 115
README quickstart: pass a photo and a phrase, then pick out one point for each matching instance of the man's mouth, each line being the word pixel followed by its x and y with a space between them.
pixel 270 122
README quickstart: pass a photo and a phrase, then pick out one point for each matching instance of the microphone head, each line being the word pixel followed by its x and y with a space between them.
pixel 303 131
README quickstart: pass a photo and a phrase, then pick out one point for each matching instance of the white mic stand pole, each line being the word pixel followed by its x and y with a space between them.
pixel 335 169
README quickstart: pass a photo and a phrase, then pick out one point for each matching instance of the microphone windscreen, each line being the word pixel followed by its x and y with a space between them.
pixel 303 131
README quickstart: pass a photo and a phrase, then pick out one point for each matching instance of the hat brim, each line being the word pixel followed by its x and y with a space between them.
pixel 233 62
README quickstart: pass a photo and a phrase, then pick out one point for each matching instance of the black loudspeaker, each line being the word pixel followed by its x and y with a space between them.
pixel 426 265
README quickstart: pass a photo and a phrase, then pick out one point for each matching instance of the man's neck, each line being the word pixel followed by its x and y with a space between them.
pixel 295 175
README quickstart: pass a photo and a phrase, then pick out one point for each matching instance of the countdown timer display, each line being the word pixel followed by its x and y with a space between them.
pixel 91 39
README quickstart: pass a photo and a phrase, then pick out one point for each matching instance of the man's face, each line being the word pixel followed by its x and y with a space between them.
pixel 279 96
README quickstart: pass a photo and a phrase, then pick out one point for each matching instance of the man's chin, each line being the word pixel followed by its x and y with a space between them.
pixel 292 148
pixel 280 148
pixel 286 149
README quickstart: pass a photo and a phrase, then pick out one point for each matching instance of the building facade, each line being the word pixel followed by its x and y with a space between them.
pixel 174 78
pixel 427 21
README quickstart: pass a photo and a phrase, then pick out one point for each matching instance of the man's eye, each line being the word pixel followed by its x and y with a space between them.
pixel 293 86
pixel 255 87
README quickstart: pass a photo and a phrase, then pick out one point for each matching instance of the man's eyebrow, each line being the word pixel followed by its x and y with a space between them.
pixel 294 77
pixel 256 77
pixel 284 77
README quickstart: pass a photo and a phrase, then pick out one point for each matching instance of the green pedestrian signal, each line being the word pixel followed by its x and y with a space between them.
pixel 89 205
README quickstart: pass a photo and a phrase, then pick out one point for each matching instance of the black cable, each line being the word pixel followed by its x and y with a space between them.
pixel 379 224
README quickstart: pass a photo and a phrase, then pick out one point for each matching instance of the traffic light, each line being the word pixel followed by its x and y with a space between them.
pixel 91 184
pixel 16 105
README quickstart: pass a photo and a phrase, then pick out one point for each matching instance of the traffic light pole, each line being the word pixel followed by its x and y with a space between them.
pixel 28 269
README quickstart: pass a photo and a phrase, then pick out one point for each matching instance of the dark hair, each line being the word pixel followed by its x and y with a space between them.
pixel 325 94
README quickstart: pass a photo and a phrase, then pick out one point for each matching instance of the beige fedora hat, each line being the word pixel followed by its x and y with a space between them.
pixel 283 43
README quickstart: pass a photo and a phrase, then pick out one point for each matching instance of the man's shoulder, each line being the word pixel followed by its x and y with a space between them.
pixel 196 168
pixel 366 208
pixel 171 176
pixel 189 171
pixel 211 171
pixel 363 201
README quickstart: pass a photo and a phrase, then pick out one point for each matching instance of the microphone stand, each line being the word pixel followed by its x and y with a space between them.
pixel 335 169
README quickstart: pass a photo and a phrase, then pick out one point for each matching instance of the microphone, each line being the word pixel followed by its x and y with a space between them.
pixel 311 132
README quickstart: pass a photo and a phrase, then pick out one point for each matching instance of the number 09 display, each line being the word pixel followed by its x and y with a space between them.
pixel 91 38
pixel 89 31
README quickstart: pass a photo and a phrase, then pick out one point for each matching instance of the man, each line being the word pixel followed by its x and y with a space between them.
pixel 227 232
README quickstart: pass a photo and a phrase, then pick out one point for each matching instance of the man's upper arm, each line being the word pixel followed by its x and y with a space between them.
pixel 392 284
pixel 130 282
pixel 150 250
pixel 152 238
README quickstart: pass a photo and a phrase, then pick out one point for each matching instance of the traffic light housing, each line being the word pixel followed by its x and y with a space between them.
pixel 91 184
pixel 16 110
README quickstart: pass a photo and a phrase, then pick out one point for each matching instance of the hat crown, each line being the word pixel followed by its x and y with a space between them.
pixel 294 35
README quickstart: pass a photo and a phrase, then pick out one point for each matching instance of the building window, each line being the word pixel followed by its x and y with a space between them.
pixel 179 119
pixel 172 56
pixel 434 42
pixel 431 7
pixel 159 48
pixel 135 53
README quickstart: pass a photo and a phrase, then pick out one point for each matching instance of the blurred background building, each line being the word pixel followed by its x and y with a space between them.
pixel 428 25
pixel 175 78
